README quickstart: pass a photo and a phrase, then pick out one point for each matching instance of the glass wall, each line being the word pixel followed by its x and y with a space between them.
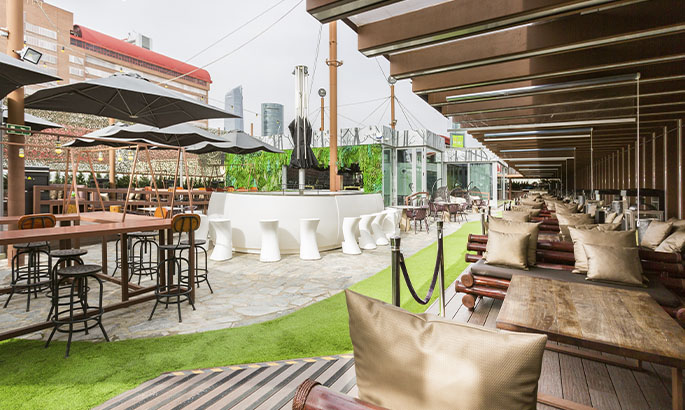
pixel 419 171
pixel 457 176
pixel 433 168
pixel 481 180
pixel 387 176
pixel 405 178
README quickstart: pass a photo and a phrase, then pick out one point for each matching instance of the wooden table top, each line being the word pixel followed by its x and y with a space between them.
pixel 103 228
pixel 7 220
pixel 624 322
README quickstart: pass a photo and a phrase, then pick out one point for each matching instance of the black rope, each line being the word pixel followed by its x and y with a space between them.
pixel 433 281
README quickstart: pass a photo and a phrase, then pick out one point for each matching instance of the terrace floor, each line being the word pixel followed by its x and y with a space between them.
pixel 272 385
pixel 246 291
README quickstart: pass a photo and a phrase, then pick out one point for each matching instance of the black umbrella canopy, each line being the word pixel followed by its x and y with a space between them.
pixel 127 97
pixel 179 135
pixel 112 142
pixel 36 123
pixel 16 73
pixel 235 142
pixel 301 130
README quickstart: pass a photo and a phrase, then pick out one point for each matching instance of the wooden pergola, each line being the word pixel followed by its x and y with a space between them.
pixel 556 88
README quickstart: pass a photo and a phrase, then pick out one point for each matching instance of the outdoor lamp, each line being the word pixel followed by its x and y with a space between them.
pixel 58 149
pixel 130 156
pixel 29 54
pixel 21 152
pixel 100 156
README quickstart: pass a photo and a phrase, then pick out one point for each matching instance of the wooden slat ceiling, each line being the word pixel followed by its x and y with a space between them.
pixel 575 48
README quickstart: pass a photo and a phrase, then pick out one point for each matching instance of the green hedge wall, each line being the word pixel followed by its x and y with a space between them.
pixel 264 169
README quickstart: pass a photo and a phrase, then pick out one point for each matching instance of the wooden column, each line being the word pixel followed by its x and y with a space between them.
pixel 15 107
pixel 333 65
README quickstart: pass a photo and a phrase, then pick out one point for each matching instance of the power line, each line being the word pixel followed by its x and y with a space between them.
pixel 405 116
pixel 380 120
pixel 371 113
pixel 380 68
pixel 236 30
pixel 316 58
pixel 237 48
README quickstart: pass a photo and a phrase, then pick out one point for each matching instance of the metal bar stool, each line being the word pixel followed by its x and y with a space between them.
pixel 143 251
pixel 65 257
pixel 35 276
pixel 201 271
pixel 74 280
pixel 175 286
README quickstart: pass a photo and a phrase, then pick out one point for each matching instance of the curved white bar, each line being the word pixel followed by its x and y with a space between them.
pixel 223 248
pixel 377 231
pixel 391 223
pixel 366 240
pixel 349 245
pixel 246 209
pixel 270 251
pixel 309 250
pixel 203 230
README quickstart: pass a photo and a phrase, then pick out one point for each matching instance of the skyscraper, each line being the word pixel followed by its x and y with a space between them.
pixel 234 105
pixel 272 119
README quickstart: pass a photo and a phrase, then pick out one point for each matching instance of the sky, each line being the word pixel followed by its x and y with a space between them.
pixel 264 66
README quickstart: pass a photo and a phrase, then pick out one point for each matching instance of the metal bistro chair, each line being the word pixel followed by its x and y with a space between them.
pixel 419 215
pixel 176 284
pixel 35 276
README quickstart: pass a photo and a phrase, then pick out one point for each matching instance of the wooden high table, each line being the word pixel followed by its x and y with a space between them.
pixel 99 224
pixel 622 322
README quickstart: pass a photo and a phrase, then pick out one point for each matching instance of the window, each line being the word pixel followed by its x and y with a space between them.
pixel 76 71
pixel 49 58
pixel 97 73
pixel 39 42
pixel 75 60
pixel 41 30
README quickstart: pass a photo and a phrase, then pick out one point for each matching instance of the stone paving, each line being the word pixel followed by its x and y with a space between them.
pixel 246 291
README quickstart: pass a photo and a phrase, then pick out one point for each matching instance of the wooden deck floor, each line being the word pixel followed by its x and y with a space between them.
pixel 272 385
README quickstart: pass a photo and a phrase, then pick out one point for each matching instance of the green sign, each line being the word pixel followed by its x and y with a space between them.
pixel 457 140
pixel 18 129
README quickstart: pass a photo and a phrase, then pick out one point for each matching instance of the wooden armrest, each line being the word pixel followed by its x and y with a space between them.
pixel 310 395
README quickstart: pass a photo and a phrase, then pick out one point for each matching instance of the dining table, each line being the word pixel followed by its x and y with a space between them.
pixel 101 224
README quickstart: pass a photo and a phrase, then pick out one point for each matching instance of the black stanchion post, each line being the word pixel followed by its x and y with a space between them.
pixel 442 270
pixel 395 252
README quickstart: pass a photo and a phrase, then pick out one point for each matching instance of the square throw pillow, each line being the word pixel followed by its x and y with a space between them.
pixel 609 218
pixel 518 216
pixel 531 228
pixel 532 203
pixel 614 264
pixel 675 242
pixel 507 249
pixel 678 224
pixel 526 208
pixel 407 361
pixel 655 234
pixel 566 220
pixel 610 238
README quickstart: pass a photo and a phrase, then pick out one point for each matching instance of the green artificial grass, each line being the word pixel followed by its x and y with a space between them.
pixel 35 377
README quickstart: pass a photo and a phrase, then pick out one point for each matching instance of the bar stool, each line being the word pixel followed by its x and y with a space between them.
pixel 143 250
pixel 174 285
pixel 223 239
pixel 391 223
pixel 74 280
pixel 271 251
pixel 309 248
pixel 201 271
pixel 349 245
pixel 66 257
pixel 35 276
pixel 366 240
pixel 377 231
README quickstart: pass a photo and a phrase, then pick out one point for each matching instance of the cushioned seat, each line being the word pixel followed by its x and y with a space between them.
pixel 179 247
pixel 655 289
pixel 79 270
pixel 30 245
pixel 150 234
pixel 198 242
pixel 66 253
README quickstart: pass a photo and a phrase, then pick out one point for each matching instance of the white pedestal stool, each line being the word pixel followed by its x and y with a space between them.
pixel 271 251
pixel 223 239
pixel 349 245
pixel 309 248
pixel 377 231
pixel 391 223
pixel 366 240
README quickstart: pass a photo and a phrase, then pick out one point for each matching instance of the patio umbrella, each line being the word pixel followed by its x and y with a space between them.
pixel 179 135
pixel 301 133
pixel 36 123
pixel 16 73
pixel 235 142
pixel 127 97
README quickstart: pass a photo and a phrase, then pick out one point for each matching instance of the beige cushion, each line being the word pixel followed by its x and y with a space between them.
pixel 580 207
pixel 655 233
pixel 530 228
pixel 614 264
pixel 421 361
pixel 599 227
pixel 551 205
pixel 564 208
pixel 611 238
pixel 618 219
pixel 566 220
pixel 518 216
pixel 675 242
pixel 531 203
pixel 609 218
pixel 507 249
pixel 526 208
pixel 678 224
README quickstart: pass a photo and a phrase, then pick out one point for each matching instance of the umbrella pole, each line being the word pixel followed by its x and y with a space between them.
pixel 173 191
pixel 75 162
pixel 65 194
pixel 130 181
pixel 152 173
pixel 95 178
pixel 189 186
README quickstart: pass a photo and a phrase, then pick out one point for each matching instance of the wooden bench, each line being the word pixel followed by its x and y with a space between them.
pixel 555 260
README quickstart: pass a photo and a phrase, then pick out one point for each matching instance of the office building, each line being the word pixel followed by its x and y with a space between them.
pixel 234 104
pixel 272 119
